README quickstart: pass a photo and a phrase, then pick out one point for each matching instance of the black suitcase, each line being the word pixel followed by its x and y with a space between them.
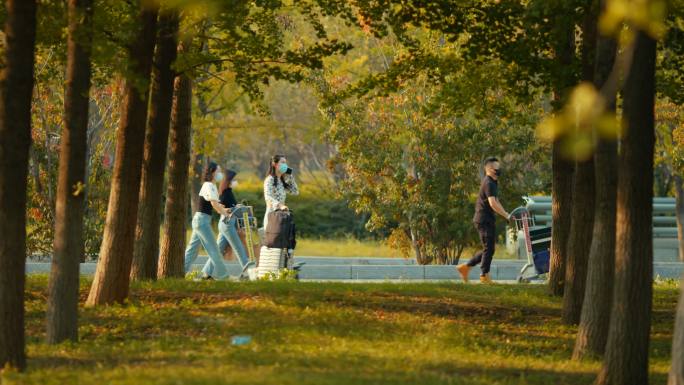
pixel 279 232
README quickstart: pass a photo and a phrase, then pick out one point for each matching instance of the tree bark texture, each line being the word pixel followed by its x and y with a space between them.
pixel 116 253
pixel 171 260
pixel 16 87
pixel 562 169
pixel 626 358
pixel 579 241
pixel 676 376
pixel 598 297
pixel 146 251
pixel 62 314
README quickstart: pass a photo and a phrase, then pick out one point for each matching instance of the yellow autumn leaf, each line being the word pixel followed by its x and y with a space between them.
pixel 585 103
pixel 551 128
pixel 78 188
pixel 609 126
pixel 611 19
pixel 579 146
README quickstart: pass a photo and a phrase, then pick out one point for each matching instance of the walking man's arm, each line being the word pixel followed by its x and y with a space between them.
pixel 497 207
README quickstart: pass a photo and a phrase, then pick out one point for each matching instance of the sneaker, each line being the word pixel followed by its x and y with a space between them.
pixel 247 266
pixel 486 279
pixel 203 278
pixel 297 266
pixel 244 274
pixel 464 270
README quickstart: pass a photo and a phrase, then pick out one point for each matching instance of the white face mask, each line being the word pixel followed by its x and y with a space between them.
pixel 233 184
pixel 218 177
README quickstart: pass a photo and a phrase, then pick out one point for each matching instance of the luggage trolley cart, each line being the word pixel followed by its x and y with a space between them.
pixel 247 223
pixel 537 244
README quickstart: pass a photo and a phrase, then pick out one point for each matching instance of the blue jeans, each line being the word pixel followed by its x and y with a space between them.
pixel 202 234
pixel 228 235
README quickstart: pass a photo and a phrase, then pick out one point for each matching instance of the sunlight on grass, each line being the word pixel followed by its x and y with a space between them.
pixel 345 248
pixel 179 332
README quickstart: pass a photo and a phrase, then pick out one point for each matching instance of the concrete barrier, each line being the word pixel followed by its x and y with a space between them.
pixel 502 270
pixel 388 272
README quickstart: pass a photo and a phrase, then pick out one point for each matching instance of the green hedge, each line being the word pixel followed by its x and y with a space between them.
pixel 317 215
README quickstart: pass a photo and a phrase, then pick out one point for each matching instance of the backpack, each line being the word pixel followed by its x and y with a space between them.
pixel 279 233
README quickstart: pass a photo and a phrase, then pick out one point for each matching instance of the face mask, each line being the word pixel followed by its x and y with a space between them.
pixel 233 184
pixel 497 172
pixel 218 177
pixel 282 168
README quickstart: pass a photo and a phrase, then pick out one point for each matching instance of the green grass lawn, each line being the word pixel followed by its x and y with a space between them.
pixel 179 332
pixel 349 247
pixel 344 248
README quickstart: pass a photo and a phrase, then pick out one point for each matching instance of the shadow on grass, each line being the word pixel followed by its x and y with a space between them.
pixel 331 334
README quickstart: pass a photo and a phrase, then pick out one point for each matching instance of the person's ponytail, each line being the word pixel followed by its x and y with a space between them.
pixel 209 171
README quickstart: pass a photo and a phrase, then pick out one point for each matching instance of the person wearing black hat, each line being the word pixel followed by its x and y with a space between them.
pixel 486 208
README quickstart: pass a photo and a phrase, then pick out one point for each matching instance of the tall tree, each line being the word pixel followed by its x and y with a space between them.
pixel 583 190
pixel 173 241
pixel 561 167
pixel 62 314
pixel 561 195
pixel 598 297
pixel 676 376
pixel 16 86
pixel 146 252
pixel 670 83
pixel 116 252
pixel 626 357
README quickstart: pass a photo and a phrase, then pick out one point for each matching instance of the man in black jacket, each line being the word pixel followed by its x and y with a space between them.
pixel 485 220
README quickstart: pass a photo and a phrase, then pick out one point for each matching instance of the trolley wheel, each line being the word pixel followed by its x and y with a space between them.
pixel 521 279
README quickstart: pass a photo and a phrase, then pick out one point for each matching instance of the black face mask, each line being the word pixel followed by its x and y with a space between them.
pixel 497 172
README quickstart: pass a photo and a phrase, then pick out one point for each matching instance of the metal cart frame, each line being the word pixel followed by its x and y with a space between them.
pixel 524 221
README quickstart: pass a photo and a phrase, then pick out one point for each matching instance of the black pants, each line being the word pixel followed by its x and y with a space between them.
pixel 487 237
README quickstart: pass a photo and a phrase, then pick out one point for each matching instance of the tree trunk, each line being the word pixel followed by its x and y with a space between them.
pixel 579 241
pixel 420 257
pixel 679 198
pixel 146 252
pixel 561 195
pixel 598 296
pixel 562 170
pixel 676 376
pixel 582 210
pixel 62 314
pixel 16 87
pixel 173 241
pixel 626 358
pixel 116 253
pixel 583 190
